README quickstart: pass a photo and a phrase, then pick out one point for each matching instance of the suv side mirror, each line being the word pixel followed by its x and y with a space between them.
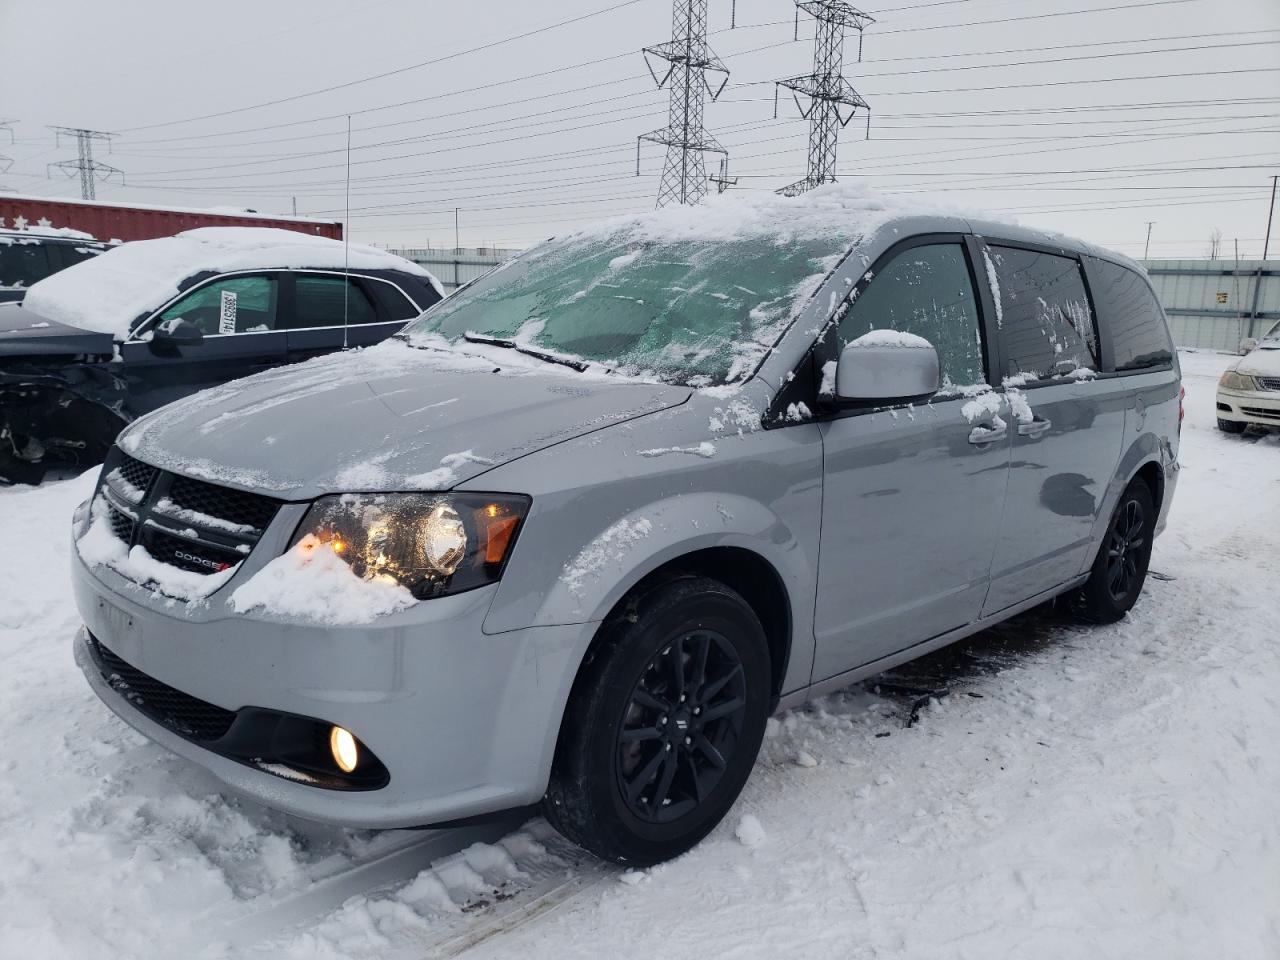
pixel 1248 345
pixel 177 333
pixel 885 367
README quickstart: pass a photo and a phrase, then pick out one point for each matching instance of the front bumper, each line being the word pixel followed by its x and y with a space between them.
pixel 1256 407
pixel 465 722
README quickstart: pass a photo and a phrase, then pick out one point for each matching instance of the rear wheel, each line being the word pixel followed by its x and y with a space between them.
pixel 664 724
pixel 1231 426
pixel 1120 569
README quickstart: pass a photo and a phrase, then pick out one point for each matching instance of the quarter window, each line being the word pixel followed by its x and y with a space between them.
pixel 1139 336
pixel 231 305
pixel 1046 325
pixel 319 302
pixel 926 290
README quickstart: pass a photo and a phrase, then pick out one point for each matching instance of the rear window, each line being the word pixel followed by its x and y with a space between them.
pixel 1046 324
pixel 320 301
pixel 1138 334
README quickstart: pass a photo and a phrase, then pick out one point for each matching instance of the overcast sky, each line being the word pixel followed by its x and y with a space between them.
pixel 1025 117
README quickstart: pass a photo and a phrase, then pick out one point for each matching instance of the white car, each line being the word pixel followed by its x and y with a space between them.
pixel 1249 392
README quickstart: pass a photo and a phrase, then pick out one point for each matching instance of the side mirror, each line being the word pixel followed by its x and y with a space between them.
pixel 885 367
pixel 1248 345
pixel 177 333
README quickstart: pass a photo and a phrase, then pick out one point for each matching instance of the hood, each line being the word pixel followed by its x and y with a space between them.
pixel 26 334
pixel 389 418
pixel 1262 361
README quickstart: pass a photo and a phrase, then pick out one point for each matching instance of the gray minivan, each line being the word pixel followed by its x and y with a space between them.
pixel 583 526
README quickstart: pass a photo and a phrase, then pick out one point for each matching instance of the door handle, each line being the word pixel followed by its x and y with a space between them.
pixel 1033 428
pixel 983 434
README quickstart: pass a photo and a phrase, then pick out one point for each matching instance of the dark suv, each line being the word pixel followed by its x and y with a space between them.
pixel 27 257
pixel 101 343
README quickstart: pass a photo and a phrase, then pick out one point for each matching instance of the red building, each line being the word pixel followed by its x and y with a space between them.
pixel 140 221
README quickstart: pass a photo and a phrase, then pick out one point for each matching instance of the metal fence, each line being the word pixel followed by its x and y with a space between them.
pixel 454 267
pixel 1215 304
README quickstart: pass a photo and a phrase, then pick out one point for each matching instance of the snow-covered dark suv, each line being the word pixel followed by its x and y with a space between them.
pixel 110 339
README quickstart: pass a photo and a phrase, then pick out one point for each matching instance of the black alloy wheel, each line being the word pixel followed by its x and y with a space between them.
pixel 663 724
pixel 1120 568
pixel 681 723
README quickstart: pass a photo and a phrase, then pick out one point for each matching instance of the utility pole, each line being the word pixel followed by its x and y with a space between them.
pixel 457 241
pixel 684 174
pixel 1266 244
pixel 722 180
pixel 1147 249
pixel 90 170
pixel 832 101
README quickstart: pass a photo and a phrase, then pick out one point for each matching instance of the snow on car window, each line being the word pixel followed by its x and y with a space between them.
pixel 688 296
pixel 1047 326
pixel 925 291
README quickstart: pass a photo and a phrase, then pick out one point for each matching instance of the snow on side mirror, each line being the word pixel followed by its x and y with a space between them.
pixel 885 367
pixel 178 332
pixel 1248 345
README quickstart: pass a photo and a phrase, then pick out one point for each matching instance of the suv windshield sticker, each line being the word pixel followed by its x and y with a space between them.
pixel 227 318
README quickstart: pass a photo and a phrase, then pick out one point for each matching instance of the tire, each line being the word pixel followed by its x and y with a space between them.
pixel 1231 426
pixel 1120 569
pixel 641 776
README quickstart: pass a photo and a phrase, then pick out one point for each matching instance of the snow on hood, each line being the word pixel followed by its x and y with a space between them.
pixel 390 418
pixel 108 293
pixel 1263 361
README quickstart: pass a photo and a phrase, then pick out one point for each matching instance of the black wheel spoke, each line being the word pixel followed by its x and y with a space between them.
pixel 700 661
pixel 722 709
pixel 636 785
pixel 664 782
pixel 675 656
pixel 709 751
pixel 639 734
pixel 645 698
pixel 721 682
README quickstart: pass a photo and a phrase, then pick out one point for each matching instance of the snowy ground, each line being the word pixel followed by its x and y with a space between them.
pixel 1091 793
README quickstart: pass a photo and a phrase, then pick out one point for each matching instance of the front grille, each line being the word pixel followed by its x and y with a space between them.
pixel 1262 412
pixel 232 506
pixel 187 523
pixel 188 716
pixel 1268 383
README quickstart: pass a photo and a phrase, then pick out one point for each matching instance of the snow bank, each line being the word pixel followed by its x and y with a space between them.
pixel 108 293
pixel 311 582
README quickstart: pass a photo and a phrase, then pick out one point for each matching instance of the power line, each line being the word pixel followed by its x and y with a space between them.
pixel 399 70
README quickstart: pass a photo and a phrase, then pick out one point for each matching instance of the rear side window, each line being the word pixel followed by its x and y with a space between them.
pixel 1042 310
pixel 22 262
pixel 1138 334
pixel 396 304
pixel 927 291
pixel 318 301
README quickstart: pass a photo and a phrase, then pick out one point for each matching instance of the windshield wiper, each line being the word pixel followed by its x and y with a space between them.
pixel 527 351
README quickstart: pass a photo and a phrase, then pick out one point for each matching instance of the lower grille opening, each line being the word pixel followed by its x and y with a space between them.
pixel 285 745
pixel 186 715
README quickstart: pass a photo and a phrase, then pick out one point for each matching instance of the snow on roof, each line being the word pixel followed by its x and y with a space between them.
pixel 107 294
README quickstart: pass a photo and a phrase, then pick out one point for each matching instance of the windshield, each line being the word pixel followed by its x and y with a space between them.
pixel 695 312
pixel 1272 337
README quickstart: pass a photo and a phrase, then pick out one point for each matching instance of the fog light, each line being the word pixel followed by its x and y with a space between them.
pixel 343 747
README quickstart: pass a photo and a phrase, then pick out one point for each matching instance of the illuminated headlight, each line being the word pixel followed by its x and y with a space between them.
pixel 1236 381
pixel 430 543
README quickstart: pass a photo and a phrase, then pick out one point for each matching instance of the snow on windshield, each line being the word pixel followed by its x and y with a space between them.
pixel 694 296
pixel 108 293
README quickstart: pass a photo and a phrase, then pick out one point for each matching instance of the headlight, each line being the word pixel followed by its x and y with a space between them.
pixel 1236 381
pixel 432 544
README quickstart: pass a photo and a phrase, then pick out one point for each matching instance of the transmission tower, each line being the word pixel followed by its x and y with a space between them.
pixel 684 174
pixel 6 126
pixel 90 170
pixel 832 101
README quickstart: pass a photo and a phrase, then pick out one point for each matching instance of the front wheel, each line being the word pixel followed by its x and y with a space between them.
pixel 1120 569
pixel 663 725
